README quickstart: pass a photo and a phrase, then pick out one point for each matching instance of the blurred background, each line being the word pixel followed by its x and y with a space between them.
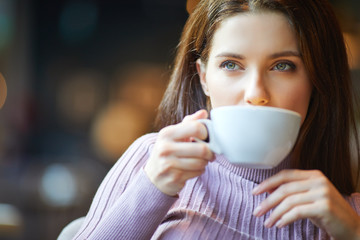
pixel 84 79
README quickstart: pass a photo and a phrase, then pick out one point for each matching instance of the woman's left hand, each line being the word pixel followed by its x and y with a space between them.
pixel 298 194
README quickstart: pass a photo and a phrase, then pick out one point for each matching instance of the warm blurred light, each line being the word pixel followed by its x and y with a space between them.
pixel 353 48
pixel 58 187
pixel 3 90
pixel 132 109
pixel 143 85
pixel 6 23
pixel 117 127
pixel 78 21
pixel 79 96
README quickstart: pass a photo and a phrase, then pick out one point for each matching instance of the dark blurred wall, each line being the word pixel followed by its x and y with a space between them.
pixel 66 63
pixel 98 37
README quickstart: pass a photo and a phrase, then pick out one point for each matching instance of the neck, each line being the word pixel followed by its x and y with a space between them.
pixel 252 174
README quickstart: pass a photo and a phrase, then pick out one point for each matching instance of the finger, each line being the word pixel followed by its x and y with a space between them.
pixel 288 204
pixel 194 149
pixel 189 164
pixel 309 210
pixel 192 174
pixel 179 177
pixel 185 150
pixel 201 114
pixel 280 194
pixel 282 177
pixel 183 131
pixel 326 216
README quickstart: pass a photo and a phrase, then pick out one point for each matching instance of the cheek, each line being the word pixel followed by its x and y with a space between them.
pixel 219 96
pixel 224 92
pixel 297 100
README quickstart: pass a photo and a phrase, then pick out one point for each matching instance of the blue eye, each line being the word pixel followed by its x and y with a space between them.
pixel 283 66
pixel 229 65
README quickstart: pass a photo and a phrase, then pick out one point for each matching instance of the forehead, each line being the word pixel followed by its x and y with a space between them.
pixel 260 31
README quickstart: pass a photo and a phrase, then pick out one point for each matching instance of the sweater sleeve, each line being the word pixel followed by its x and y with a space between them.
pixel 354 201
pixel 127 205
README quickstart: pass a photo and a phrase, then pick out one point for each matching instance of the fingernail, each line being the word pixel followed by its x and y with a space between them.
pixel 279 224
pixel 267 223
pixel 201 111
pixel 257 211
pixel 255 190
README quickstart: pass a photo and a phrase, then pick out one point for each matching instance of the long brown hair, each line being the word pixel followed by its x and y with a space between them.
pixel 324 138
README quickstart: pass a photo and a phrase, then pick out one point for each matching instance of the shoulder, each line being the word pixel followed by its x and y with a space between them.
pixel 139 150
pixel 142 145
pixel 147 140
pixel 130 163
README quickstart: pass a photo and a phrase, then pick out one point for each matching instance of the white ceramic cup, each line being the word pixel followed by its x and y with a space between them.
pixel 253 137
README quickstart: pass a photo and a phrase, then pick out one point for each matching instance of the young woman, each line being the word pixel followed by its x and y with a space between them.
pixel 282 53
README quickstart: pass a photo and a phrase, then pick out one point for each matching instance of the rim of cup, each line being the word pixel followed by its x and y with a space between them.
pixel 254 108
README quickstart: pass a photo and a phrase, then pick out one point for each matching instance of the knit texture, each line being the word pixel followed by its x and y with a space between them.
pixel 216 205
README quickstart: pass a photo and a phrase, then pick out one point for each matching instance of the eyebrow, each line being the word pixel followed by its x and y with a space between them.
pixel 272 56
pixel 285 54
pixel 232 55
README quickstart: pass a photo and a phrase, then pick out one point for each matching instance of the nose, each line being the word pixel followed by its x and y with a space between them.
pixel 256 92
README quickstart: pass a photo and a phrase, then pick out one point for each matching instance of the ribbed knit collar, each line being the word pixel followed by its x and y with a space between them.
pixel 255 175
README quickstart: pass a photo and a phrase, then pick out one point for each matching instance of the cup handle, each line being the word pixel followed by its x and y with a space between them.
pixel 213 144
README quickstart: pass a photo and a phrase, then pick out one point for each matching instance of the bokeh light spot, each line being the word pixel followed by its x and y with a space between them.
pixel 58 186
pixel 3 90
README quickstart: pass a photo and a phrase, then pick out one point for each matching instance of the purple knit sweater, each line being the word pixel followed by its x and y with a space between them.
pixel 216 205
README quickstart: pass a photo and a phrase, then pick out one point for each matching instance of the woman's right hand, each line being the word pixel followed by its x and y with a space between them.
pixel 176 158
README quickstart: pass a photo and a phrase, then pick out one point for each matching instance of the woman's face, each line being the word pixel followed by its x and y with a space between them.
pixel 254 60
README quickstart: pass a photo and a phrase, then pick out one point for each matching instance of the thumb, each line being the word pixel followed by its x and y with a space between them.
pixel 201 114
